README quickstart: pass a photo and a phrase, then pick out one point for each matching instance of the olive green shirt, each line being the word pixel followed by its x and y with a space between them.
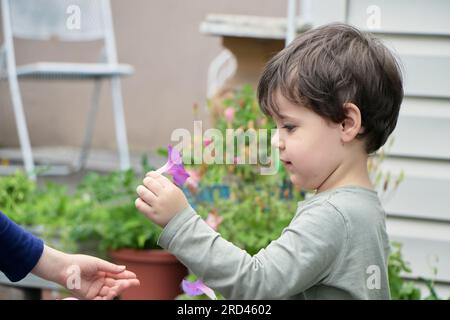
pixel 336 247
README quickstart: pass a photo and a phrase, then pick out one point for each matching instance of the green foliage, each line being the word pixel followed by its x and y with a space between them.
pixel 16 190
pixel 400 289
pixel 247 118
pixel 117 222
pixel 257 209
pixel 252 216
pixel 42 210
pixel 100 211
pixel 406 289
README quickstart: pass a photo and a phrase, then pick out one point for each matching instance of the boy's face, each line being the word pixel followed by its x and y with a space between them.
pixel 310 147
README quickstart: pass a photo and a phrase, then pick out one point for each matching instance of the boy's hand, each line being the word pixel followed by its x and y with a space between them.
pixel 159 199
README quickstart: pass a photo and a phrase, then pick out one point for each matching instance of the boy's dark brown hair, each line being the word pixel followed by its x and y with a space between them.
pixel 326 67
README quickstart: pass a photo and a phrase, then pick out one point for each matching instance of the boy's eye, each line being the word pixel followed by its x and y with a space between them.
pixel 289 127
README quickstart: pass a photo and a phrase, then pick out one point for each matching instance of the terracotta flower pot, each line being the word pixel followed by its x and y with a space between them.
pixel 159 272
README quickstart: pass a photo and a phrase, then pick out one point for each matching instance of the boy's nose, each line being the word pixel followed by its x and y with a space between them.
pixel 276 141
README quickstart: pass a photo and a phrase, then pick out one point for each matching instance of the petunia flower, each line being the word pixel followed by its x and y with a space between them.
pixel 197 288
pixel 174 167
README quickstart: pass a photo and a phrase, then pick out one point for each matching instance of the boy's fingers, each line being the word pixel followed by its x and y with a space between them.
pixel 159 177
pixel 153 174
pixel 146 194
pixel 153 185
pixel 144 208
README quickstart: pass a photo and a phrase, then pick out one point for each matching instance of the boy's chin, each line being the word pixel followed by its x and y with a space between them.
pixel 296 181
pixel 300 184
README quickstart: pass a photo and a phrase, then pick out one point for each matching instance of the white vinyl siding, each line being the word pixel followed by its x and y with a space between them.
pixel 419 210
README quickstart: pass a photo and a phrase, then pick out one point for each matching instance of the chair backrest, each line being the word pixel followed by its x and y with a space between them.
pixel 67 20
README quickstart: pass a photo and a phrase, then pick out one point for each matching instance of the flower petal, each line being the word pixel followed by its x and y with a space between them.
pixel 197 288
pixel 191 288
pixel 174 167
pixel 208 291
pixel 179 174
pixel 174 156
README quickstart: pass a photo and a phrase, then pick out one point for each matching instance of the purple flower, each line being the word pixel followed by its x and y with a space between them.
pixel 174 167
pixel 197 288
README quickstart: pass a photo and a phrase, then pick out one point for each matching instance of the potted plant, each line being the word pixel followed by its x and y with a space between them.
pixel 131 239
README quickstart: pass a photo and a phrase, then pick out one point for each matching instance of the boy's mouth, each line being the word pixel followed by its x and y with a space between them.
pixel 286 163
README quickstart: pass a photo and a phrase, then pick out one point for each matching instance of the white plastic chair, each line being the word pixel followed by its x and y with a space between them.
pixel 45 20
pixel 224 65
pixel 221 68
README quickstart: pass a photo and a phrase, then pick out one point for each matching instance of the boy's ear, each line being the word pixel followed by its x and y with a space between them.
pixel 351 125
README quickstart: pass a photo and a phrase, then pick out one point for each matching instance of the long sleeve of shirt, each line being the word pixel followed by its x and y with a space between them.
pixel 19 249
pixel 302 256
pixel 328 251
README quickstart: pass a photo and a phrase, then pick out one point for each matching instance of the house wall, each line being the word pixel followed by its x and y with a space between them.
pixel 161 40
pixel 419 210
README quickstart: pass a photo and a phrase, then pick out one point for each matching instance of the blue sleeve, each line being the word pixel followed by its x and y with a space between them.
pixel 19 249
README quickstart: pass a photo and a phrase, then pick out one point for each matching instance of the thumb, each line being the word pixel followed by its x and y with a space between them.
pixel 106 266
